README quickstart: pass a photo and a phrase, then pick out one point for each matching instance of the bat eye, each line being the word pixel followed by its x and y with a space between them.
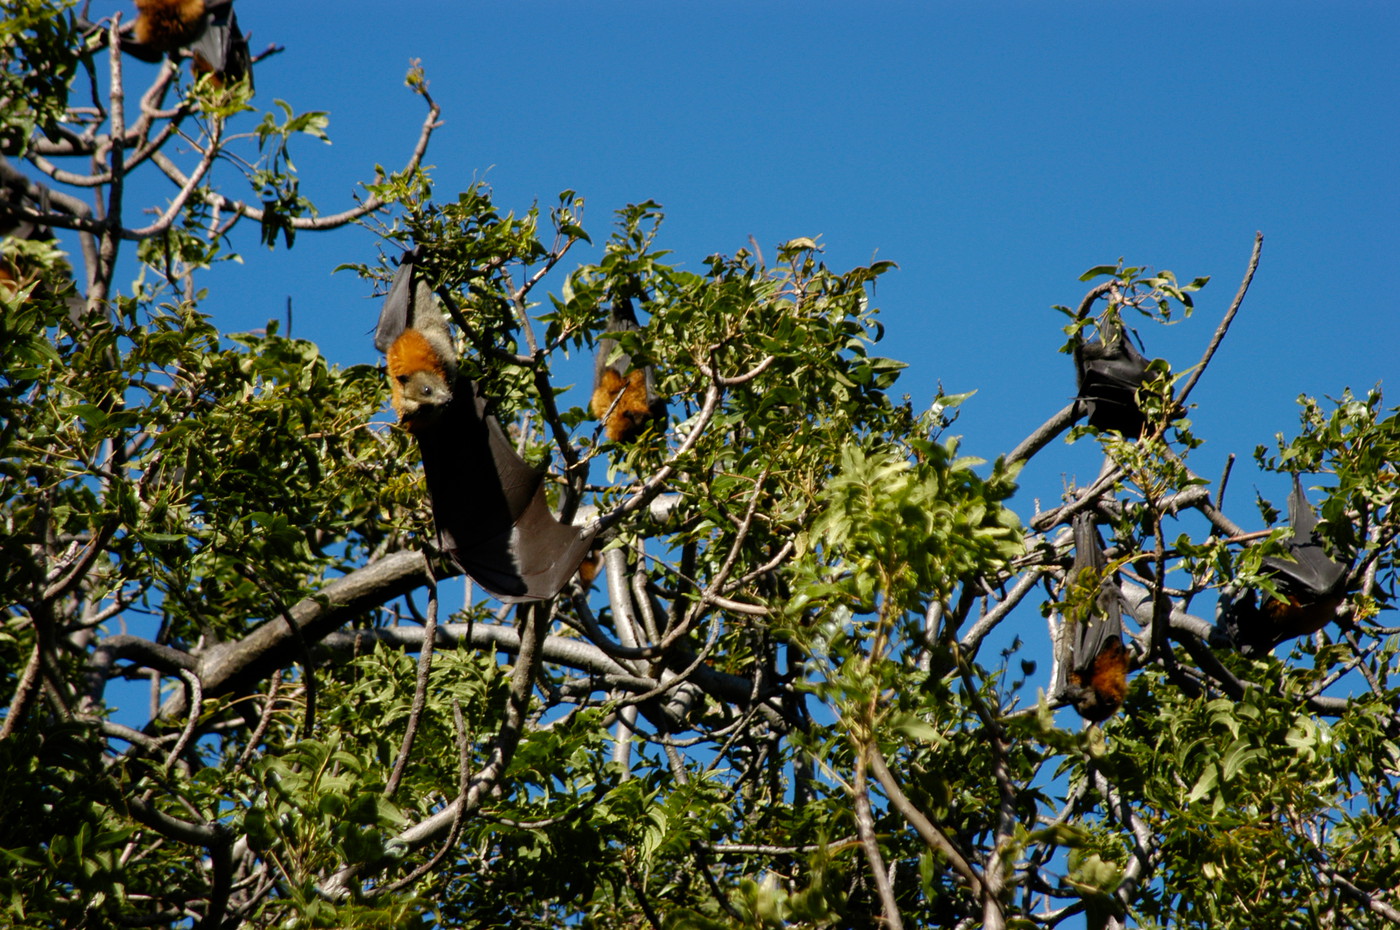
pixel 403 379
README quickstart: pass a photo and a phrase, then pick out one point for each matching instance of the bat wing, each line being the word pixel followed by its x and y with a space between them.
pixel 1310 573
pixel 1104 622
pixel 221 47
pixel 489 507
pixel 397 313
pixel 1310 582
pixel 1109 375
pixel 621 319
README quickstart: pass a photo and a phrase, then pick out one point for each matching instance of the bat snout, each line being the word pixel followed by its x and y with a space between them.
pixel 416 414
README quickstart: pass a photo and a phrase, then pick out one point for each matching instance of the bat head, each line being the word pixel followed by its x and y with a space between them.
pixel 421 398
pixel 1098 692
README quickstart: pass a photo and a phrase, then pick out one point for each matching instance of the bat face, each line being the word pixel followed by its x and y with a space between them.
pixel 624 404
pixel 419 349
pixel 1102 687
pixel 420 398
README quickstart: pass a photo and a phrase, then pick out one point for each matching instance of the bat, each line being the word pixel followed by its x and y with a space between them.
pixel 1109 371
pixel 1097 679
pixel 208 28
pixel 489 509
pixel 165 25
pixel 624 396
pixel 589 568
pixel 1310 584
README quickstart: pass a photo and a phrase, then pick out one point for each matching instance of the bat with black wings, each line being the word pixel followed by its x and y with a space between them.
pixel 1311 586
pixel 489 508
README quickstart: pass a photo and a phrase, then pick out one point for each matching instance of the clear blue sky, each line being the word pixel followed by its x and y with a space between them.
pixel 993 150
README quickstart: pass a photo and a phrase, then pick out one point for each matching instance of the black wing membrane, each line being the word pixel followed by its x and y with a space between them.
pixel 489 506
pixel 1105 621
pixel 622 318
pixel 1109 371
pixel 1310 572
pixel 396 315
pixel 1311 585
pixel 221 47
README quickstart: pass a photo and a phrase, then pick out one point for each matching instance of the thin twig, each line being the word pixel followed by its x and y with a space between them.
pixel 1047 431
pixel 420 687
pixel 24 694
pixel 932 834
pixel 196 707
pixel 865 827
pixel 1225 322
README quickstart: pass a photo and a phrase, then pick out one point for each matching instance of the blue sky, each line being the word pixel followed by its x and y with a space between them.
pixel 994 151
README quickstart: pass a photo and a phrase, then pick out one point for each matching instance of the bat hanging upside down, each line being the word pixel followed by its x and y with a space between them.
pixel 208 28
pixel 1097 679
pixel 624 396
pixel 1311 584
pixel 1109 371
pixel 489 507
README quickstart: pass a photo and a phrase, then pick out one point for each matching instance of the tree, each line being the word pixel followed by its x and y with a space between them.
pixel 786 704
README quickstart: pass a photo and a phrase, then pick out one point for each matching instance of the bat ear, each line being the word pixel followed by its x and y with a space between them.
pixel 397 313
pixel 1300 513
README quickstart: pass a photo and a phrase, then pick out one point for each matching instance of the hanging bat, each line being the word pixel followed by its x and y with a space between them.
pixel 1311 588
pixel 624 396
pixel 1109 371
pixel 489 508
pixel 1097 666
pixel 208 28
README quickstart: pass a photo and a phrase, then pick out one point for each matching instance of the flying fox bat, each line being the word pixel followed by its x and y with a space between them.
pixel 489 507
pixel 1097 669
pixel 1109 371
pixel 1311 586
pixel 624 396
pixel 208 28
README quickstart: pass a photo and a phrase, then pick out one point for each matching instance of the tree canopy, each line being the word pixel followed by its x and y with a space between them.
pixel 809 685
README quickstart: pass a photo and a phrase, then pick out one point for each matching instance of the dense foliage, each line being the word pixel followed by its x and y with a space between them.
pixel 790 699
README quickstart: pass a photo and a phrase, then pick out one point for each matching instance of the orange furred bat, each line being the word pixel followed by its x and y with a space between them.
pixel 589 568
pixel 207 28
pixel 624 397
pixel 1312 586
pixel 1097 667
pixel 489 508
